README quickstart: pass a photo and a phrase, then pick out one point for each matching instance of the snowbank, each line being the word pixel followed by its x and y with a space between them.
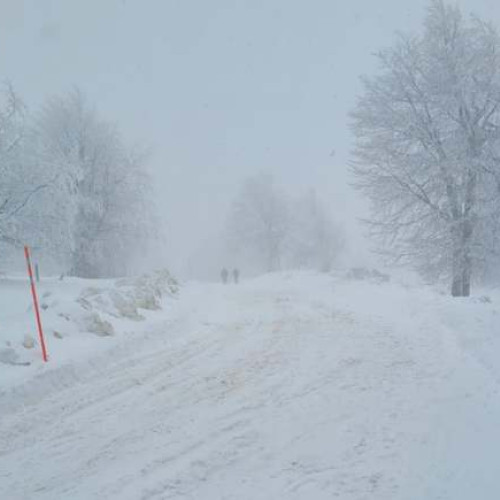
pixel 80 318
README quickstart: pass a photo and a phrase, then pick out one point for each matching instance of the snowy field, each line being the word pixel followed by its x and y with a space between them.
pixel 290 386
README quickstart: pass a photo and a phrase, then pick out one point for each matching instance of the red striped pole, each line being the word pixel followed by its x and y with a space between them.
pixel 35 303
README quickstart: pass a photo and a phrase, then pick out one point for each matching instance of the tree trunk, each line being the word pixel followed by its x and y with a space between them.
pixel 456 271
pixel 467 230
pixel 462 261
pixel 460 286
pixel 457 285
pixel 466 277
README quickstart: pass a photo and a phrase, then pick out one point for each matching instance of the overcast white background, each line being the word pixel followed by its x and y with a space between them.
pixel 217 90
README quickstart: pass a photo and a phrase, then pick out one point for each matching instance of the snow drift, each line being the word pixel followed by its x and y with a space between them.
pixel 75 313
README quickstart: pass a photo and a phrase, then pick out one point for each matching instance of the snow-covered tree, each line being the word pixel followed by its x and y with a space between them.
pixel 98 212
pixel 258 223
pixel 20 183
pixel 315 241
pixel 427 153
pixel 271 231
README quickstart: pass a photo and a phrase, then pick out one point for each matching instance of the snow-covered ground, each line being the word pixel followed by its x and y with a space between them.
pixel 290 386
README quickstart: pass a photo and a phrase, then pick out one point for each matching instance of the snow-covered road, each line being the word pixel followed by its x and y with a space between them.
pixel 285 387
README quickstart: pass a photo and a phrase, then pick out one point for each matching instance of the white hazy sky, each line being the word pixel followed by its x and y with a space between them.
pixel 217 89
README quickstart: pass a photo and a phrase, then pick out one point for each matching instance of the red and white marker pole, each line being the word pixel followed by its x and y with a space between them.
pixel 35 303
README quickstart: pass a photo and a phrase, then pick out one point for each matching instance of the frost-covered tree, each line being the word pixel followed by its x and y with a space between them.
pixel 273 231
pixel 20 183
pixel 427 152
pixel 258 223
pixel 98 212
pixel 314 241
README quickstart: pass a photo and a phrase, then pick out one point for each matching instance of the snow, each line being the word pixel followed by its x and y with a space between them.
pixel 295 385
pixel 74 312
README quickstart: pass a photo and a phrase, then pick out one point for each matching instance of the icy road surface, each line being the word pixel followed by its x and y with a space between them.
pixel 285 387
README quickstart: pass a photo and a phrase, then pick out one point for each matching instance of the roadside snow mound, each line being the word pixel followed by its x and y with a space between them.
pixel 362 273
pixel 124 300
pixel 75 313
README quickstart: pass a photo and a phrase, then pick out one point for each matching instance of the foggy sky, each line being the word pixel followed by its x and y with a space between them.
pixel 217 90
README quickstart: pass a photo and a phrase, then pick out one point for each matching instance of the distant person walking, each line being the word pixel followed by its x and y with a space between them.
pixel 236 275
pixel 224 274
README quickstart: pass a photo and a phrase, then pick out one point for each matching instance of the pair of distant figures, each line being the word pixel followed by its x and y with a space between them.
pixel 224 274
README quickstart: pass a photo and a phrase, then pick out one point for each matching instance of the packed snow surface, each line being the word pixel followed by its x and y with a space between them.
pixel 290 386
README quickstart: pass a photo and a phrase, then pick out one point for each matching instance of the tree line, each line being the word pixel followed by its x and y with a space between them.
pixel 272 231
